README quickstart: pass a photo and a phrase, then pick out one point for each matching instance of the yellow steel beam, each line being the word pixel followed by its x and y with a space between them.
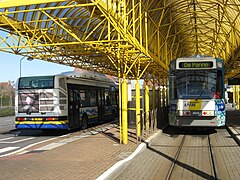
pixel 14 3
pixel 161 30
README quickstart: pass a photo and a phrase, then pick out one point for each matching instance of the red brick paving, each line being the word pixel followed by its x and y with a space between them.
pixel 85 158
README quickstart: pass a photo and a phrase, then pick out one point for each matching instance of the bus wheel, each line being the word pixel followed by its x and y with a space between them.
pixel 84 122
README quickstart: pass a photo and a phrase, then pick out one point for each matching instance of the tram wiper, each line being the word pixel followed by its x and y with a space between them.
pixel 203 89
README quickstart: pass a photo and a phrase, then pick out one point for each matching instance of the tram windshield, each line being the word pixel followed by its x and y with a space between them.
pixel 38 82
pixel 199 84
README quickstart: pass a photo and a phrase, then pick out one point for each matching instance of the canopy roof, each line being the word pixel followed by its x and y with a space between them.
pixel 131 38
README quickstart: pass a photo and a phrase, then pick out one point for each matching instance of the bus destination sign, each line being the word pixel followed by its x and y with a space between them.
pixel 197 65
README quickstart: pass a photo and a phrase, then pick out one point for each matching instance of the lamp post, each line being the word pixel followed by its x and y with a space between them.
pixel 29 59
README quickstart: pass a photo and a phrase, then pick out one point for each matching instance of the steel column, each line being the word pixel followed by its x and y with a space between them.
pixel 147 106
pixel 124 111
pixel 138 113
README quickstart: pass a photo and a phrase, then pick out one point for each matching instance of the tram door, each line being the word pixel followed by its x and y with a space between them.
pixel 73 107
pixel 100 105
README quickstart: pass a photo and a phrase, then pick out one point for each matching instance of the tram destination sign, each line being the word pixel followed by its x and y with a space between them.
pixel 196 65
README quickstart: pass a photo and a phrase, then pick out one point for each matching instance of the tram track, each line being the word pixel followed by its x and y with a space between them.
pixel 185 154
pixel 176 161
pixel 213 159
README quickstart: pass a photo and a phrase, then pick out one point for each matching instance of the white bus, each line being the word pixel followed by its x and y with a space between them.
pixel 196 92
pixel 62 102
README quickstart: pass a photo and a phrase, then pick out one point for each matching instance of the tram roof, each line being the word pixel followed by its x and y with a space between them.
pixel 135 38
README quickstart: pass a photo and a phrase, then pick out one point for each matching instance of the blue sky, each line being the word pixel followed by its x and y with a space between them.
pixel 10 67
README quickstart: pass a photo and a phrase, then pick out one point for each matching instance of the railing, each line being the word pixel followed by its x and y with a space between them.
pixel 157 119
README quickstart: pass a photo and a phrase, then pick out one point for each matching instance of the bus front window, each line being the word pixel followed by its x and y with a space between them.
pixel 38 82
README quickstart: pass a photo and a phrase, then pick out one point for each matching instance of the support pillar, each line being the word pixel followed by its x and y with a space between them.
pixel 237 97
pixel 147 106
pixel 138 113
pixel 124 111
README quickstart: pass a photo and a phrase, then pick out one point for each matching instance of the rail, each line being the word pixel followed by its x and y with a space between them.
pixel 213 159
pixel 174 162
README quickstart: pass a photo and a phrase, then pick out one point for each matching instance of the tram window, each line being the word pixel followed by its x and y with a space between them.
pixel 219 85
pixel 173 87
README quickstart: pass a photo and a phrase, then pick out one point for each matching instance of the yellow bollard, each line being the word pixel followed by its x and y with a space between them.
pixel 124 112
pixel 147 107
pixel 138 115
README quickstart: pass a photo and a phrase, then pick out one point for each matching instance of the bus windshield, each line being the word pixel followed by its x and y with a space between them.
pixel 40 82
pixel 191 84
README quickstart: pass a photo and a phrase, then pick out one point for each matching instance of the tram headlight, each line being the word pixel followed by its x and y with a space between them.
pixel 208 113
pixel 180 113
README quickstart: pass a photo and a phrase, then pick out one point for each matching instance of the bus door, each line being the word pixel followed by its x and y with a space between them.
pixel 73 108
pixel 100 105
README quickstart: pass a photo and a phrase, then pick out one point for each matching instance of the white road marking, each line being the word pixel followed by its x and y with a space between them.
pixel 7 149
pixel 22 150
pixel 68 140
pixel 52 145
pixel 60 143
pixel 12 142
pixel 6 138
pixel 49 146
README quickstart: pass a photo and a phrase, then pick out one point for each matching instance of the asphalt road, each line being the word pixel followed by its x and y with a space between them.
pixel 13 140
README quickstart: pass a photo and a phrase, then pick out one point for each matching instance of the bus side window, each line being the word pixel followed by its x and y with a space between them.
pixel 70 93
pixel 108 101
pixel 82 98
pixel 61 83
pixel 77 95
pixel 107 98
pixel 93 97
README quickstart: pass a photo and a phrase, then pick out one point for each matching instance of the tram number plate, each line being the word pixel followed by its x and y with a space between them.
pixel 195 113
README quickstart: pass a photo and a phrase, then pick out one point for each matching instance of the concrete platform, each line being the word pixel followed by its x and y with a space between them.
pixel 194 161
pixel 98 155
